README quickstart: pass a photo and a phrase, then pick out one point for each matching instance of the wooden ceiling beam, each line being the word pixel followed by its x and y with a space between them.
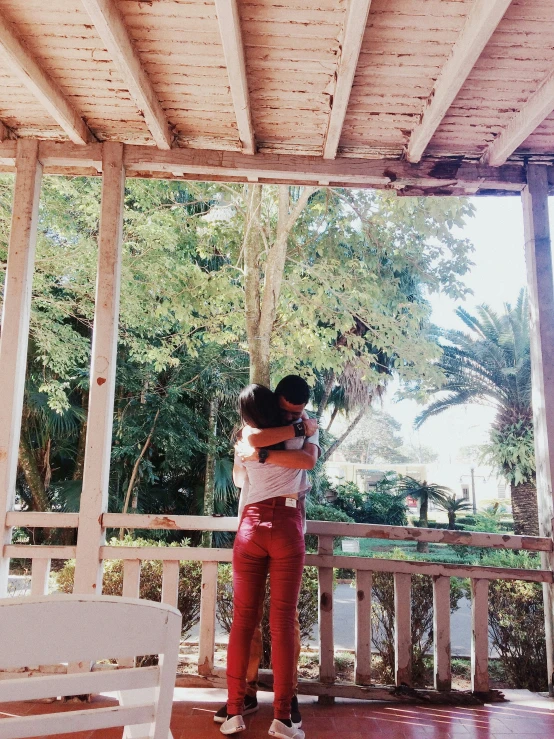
pixel 233 49
pixel 431 176
pixel 111 28
pixel 482 21
pixel 532 114
pixel 21 63
pixel 354 30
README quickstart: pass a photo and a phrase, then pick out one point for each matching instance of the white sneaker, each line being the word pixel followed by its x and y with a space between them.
pixel 233 725
pixel 282 731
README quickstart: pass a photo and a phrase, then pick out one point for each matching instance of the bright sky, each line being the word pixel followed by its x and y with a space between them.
pixel 499 273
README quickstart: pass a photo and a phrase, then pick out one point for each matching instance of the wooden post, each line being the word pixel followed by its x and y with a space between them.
pixel 480 636
pixel 15 329
pixel 363 627
pixel 402 629
pixel 538 258
pixel 441 633
pixel 94 497
pixel 326 638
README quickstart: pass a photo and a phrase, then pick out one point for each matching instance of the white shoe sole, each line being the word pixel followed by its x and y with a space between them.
pixel 230 730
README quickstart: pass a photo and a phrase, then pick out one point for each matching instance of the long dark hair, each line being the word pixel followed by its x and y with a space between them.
pixel 259 407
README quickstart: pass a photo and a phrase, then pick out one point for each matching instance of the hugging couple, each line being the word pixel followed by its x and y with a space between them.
pixel 277 444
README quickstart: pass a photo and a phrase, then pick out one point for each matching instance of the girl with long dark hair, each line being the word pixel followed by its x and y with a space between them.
pixel 269 541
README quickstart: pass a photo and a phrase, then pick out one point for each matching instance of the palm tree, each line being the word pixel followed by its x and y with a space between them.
pixel 423 492
pixel 452 506
pixel 491 365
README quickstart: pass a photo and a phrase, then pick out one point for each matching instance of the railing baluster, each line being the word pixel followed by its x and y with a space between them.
pixel 479 636
pixel 131 578
pixel 363 627
pixel 40 573
pixel 402 629
pixel 131 589
pixel 441 633
pixel 170 582
pixel 325 590
pixel 208 601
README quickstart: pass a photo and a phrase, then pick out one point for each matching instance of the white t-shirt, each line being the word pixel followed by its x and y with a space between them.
pixel 264 481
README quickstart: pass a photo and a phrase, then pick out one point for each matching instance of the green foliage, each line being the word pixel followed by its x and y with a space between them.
pixel 324 512
pixel 516 621
pixel 382 616
pixel 512 450
pixel 491 364
pixel 151 576
pixel 307 606
pixel 379 507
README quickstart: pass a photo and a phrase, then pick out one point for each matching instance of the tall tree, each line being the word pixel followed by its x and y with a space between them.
pixel 490 364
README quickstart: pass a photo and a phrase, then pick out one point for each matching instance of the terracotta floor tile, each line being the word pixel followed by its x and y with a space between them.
pixel 193 712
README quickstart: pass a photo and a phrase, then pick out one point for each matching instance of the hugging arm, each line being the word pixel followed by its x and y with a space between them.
pixel 294 459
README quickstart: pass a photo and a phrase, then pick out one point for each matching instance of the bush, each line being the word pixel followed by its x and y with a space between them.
pixel 382 507
pixel 324 512
pixel 382 616
pixel 151 574
pixel 307 607
pixel 516 622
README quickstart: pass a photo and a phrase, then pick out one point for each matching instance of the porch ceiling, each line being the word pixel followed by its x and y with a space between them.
pixel 330 79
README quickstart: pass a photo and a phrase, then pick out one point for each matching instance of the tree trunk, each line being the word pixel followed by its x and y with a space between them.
pixel 28 464
pixel 82 443
pixel 261 303
pixel 335 445
pixel 209 482
pixel 524 509
pixel 451 520
pixel 252 284
pixel 327 390
pixel 423 546
pixel 135 470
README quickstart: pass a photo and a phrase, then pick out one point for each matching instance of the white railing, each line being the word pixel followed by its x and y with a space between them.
pixel 325 561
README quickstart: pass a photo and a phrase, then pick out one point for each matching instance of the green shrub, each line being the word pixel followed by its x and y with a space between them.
pixel 307 607
pixel 324 512
pixel 151 574
pixel 382 617
pixel 516 621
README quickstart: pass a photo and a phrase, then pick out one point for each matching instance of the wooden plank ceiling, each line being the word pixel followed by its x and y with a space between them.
pixel 367 79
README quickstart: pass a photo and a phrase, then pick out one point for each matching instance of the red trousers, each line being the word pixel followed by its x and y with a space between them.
pixel 270 540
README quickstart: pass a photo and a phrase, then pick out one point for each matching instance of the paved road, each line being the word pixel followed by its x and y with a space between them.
pixel 344 620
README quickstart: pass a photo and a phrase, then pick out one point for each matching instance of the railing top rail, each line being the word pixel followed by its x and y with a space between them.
pixel 321 528
pixel 333 528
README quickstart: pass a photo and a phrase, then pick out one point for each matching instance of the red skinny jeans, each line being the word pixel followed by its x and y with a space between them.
pixel 270 540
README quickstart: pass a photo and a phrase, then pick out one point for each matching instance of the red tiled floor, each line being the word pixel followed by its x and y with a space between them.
pixel 525 715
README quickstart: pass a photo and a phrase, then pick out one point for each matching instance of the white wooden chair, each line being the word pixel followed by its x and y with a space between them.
pixel 81 629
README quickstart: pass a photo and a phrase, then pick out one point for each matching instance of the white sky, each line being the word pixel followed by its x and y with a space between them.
pixel 499 273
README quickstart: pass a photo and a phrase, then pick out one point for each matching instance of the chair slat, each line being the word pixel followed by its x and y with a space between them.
pixel 62 723
pixel 46 686
pixel 114 627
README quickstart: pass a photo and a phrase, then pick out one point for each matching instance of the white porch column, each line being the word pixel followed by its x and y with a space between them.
pixel 15 328
pixel 94 497
pixel 538 256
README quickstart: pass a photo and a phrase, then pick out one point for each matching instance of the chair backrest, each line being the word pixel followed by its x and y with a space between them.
pixel 80 629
